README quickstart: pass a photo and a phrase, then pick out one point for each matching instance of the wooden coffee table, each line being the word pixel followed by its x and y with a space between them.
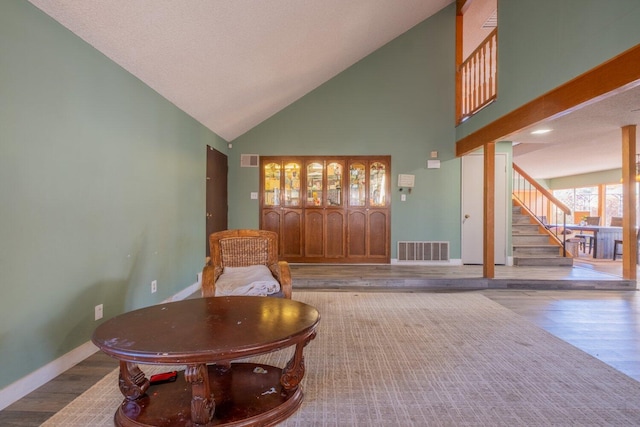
pixel 206 335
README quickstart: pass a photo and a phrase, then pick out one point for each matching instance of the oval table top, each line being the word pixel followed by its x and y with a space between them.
pixel 206 330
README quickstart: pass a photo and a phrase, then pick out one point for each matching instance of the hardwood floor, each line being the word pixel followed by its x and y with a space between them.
pixel 586 274
pixel 41 404
pixel 601 323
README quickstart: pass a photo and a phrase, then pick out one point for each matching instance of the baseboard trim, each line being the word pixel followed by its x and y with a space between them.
pixel 25 385
pixel 37 378
pixel 186 292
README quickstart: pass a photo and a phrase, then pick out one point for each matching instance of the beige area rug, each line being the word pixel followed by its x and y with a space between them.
pixel 428 359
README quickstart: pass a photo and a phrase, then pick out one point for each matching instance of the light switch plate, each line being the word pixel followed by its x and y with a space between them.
pixel 254 195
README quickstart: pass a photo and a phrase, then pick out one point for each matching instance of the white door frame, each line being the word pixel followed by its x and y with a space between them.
pixel 472 194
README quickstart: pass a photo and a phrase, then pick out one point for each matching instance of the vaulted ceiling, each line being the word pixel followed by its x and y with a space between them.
pixel 231 64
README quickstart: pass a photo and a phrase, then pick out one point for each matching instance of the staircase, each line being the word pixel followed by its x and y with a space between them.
pixel 532 243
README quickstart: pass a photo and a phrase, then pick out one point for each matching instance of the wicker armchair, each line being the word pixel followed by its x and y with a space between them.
pixel 243 248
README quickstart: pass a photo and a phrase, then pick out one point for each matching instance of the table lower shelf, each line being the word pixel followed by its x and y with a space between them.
pixel 244 394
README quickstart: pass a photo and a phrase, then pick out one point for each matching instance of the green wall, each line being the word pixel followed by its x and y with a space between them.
pixel 612 176
pixel 102 188
pixel 545 43
pixel 398 101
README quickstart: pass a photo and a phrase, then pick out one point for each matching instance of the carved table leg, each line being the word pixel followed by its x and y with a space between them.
pixel 133 383
pixel 294 371
pixel 202 403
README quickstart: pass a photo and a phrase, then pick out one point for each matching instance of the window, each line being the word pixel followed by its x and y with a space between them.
pixel 581 199
pixel 584 202
pixel 613 202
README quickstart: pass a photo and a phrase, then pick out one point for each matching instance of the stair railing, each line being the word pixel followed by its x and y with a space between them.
pixel 539 202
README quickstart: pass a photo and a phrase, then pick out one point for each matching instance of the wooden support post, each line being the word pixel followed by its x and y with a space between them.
pixel 602 202
pixel 488 265
pixel 629 233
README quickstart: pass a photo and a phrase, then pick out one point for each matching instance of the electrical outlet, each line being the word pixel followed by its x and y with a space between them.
pixel 98 312
pixel 154 286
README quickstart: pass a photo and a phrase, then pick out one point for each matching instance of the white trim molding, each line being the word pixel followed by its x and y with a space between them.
pixel 37 378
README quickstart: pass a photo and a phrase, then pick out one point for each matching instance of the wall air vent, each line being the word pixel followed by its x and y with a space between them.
pixel 249 160
pixel 423 251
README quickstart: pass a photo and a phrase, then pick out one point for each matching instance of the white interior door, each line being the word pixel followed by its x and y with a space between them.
pixel 472 201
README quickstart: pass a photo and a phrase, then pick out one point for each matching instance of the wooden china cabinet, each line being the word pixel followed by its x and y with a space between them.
pixel 327 209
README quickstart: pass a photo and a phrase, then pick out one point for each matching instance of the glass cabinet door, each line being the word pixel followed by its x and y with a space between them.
pixel 314 183
pixel 292 184
pixel 357 192
pixel 327 209
pixel 377 184
pixel 335 172
pixel 271 184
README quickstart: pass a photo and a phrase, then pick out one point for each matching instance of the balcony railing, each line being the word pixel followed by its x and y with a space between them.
pixel 477 78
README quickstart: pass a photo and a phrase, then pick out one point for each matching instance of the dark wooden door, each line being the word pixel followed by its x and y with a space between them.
pixel 216 215
pixel 288 224
pixel 314 233
pixel 335 234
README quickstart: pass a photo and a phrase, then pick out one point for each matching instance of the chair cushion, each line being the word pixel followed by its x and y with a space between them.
pixel 253 280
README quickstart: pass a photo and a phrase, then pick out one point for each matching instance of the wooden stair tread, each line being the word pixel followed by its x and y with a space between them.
pixel 525 231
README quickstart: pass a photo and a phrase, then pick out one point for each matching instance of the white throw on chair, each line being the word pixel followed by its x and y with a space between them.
pixel 245 262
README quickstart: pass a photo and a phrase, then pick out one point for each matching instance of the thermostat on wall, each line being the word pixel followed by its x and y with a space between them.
pixel 407 181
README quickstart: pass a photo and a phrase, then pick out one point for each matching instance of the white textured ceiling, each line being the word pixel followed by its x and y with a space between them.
pixel 586 140
pixel 231 64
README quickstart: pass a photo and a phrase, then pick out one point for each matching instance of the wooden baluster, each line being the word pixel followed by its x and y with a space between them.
pixel 494 64
pixel 474 83
pixel 466 108
pixel 483 86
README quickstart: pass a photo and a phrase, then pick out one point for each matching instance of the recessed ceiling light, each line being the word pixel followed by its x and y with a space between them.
pixel 540 131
